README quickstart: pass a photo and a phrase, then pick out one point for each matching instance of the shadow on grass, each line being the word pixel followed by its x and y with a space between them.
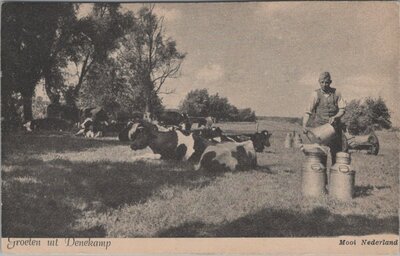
pixel 43 143
pixel 363 191
pixel 287 223
pixel 43 199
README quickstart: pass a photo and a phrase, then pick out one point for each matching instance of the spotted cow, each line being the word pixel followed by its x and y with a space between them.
pixel 175 144
pixel 228 156
pixel 49 124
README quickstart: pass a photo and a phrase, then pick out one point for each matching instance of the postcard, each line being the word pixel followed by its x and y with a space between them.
pixel 200 128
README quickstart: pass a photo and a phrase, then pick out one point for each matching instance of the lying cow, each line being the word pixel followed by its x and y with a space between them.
pixel 169 144
pixel 49 124
pixel 171 118
pixel 91 129
pixel 97 114
pixel 129 129
pixel 260 139
pixel 229 156
pixel 126 133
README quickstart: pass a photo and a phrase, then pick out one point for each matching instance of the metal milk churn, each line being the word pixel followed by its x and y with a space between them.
pixel 297 141
pixel 322 134
pixel 289 140
pixel 314 177
pixel 342 178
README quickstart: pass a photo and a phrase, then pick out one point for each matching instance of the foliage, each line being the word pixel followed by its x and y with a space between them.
pixel 28 33
pixel 246 115
pixel 96 36
pixel 362 117
pixel 196 103
pixel 105 87
pixel 39 107
pixel 199 103
pixel 147 57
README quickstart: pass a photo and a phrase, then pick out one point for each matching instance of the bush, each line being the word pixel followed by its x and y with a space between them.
pixel 200 103
pixel 364 116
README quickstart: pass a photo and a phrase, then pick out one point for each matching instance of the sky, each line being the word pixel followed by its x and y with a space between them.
pixel 268 56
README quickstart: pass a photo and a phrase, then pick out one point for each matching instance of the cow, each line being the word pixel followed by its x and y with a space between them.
pixel 126 133
pixel 173 118
pixel 61 111
pixel 212 134
pixel 98 114
pixel 228 156
pixel 93 122
pixel 200 121
pixel 92 129
pixel 49 124
pixel 175 144
pixel 205 122
pixel 260 139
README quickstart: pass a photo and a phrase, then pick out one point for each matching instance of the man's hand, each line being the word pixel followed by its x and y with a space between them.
pixel 333 119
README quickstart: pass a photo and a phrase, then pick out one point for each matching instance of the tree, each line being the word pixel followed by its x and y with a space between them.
pixel 39 107
pixel 247 115
pixel 28 30
pixel 361 117
pixel 219 107
pixel 196 103
pixel 148 57
pixel 105 87
pixel 200 103
pixel 96 37
pixel 60 50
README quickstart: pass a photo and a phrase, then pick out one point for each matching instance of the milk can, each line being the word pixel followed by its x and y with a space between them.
pixel 322 134
pixel 342 178
pixel 314 177
pixel 297 141
pixel 289 140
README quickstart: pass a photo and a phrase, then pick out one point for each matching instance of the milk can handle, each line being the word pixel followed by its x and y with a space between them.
pixel 344 169
pixel 316 167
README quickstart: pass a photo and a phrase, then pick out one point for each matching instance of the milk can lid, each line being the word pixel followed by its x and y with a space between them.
pixel 342 155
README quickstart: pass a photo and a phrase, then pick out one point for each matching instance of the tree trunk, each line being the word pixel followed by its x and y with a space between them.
pixel 147 111
pixel 27 105
pixel 148 93
pixel 48 85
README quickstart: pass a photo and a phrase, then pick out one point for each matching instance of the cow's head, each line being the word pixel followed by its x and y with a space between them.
pixel 124 135
pixel 141 134
pixel 261 140
pixel 87 123
pixel 210 133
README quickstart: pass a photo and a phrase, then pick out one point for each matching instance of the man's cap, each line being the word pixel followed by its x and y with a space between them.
pixel 324 75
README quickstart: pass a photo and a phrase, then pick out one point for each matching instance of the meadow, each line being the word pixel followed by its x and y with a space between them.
pixel 58 185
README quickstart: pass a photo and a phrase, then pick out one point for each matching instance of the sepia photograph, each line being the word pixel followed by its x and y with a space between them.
pixel 122 121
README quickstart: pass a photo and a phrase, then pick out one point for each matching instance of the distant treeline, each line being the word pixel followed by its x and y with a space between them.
pixel 292 120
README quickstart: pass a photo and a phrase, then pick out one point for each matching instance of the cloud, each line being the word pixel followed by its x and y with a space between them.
pixel 210 73
pixel 364 85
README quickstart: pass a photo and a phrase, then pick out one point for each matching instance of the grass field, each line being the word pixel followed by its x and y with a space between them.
pixel 58 185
